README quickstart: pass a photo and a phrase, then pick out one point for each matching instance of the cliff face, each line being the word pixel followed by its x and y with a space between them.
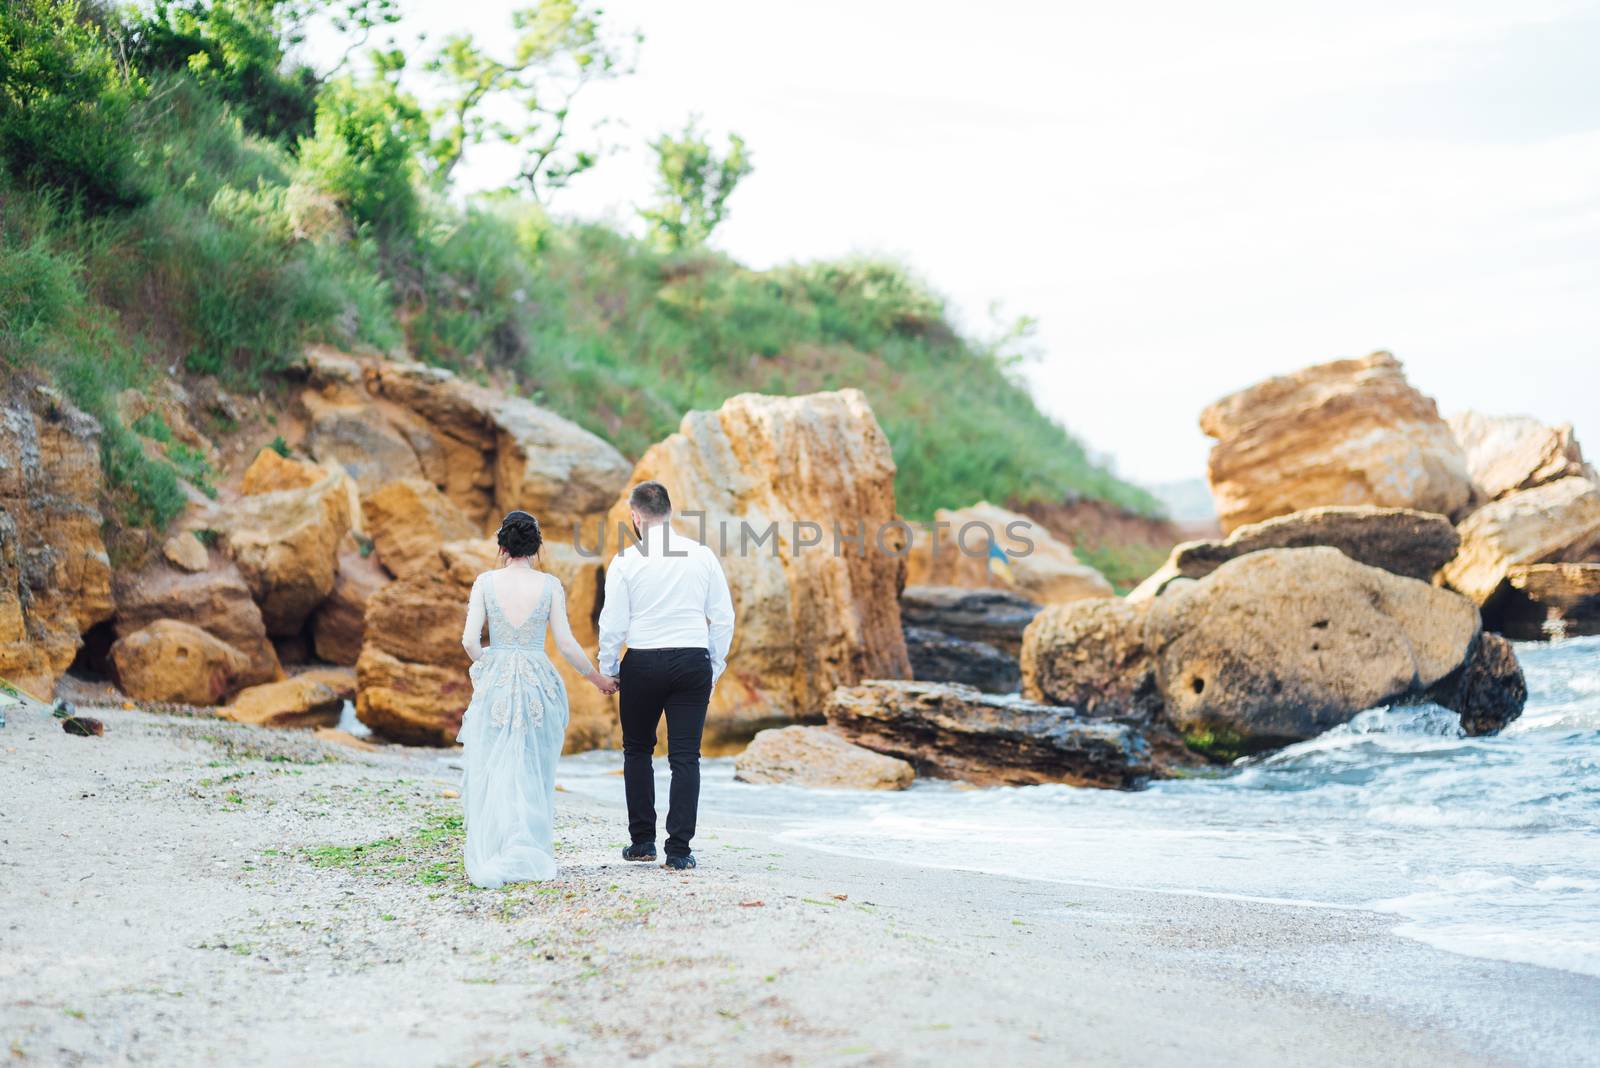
pixel 55 576
pixel 809 618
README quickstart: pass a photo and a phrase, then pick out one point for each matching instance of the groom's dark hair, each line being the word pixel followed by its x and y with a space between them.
pixel 650 499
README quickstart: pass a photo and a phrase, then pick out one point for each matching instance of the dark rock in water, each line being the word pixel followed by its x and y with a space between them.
pixel 954 732
pixel 1091 655
pixel 1540 601
pixel 1488 691
pixel 940 657
pixel 993 616
pixel 1401 541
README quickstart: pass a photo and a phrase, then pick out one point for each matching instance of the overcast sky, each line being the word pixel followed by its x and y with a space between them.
pixel 1189 197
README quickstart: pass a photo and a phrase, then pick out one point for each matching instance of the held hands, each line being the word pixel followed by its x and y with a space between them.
pixel 604 683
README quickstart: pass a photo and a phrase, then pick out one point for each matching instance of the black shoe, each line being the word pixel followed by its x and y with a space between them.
pixel 640 851
pixel 683 862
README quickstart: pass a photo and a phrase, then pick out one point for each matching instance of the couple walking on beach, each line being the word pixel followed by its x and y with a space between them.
pixel 667 600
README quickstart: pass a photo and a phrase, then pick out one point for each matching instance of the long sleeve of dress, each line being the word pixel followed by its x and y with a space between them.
pixel 472 634
pixel 561 627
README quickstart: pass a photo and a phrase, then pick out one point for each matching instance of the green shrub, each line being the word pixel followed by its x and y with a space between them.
pixel 365 150
pixel 63 105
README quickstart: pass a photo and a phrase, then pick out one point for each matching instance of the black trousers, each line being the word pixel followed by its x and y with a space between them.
pixel 677 682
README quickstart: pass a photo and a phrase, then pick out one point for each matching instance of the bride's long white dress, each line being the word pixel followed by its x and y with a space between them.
pixel 513 727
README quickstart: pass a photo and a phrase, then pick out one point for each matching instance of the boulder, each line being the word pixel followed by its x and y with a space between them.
pixel 996 617
pixel 270 472
pixel 940 657
pixel 186 551
pixel 1546 600
pixel 1558 522
pixel 57 581
pixel 216 600
pixel 412 672
pixel 1399 540
pixel 555 469
pixel 170 660
pixel 408 521
pixel 1510 453
pixel 347 429
pixel 1092 656
pixel 340 624
pixel 286 544
pixel 809 618
pixel 1348 432
pixel 818 758
pixel 310 699
pixel 1042 569
pixel 1280 645
pixel 1488 690
pixel 955 732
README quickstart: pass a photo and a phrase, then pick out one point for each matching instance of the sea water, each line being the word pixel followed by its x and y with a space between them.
pixel 1483 846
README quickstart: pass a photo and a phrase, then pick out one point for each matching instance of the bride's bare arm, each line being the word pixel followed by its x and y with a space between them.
pixel 472 635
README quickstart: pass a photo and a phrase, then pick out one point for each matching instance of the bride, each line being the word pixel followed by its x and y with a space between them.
pixel 514 725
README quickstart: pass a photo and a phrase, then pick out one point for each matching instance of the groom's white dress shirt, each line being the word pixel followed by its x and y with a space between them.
pixel 668 592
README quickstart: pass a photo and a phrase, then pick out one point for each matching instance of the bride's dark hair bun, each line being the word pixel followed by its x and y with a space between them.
pixel 519 534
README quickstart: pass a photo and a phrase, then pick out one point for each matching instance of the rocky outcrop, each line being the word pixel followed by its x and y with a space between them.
pixel 1506 454
pixel 1546 600
pixel 270 472
pixel 1280 645
pixel 1092 656
pixel 409 521
pixel 384 421
pixel 810 618
pixel 955 732
pixel 1399 540
pixel 412 673
pixel 940 657
pixel 216 600
pixel 1558 522
pixel 995 617
pixel 170 660
pixel 55 575
pixel 818 758
pixel 311 699
pixel 1349 432
pixel 955 551
pixel 340 626
pixel 286 544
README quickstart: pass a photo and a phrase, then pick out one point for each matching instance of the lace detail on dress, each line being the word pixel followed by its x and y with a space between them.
pixel 514 678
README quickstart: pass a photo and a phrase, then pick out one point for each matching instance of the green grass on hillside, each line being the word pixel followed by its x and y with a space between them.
pixel 235 260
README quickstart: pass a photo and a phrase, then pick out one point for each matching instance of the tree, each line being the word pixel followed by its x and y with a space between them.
pixel 368 138
pixel 64 100
pixel 560 49
pixel 693 186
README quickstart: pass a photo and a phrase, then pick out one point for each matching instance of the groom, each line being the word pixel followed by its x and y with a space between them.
pixel 667 600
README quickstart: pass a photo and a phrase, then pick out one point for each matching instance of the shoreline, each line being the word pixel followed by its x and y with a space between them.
pixel 191 891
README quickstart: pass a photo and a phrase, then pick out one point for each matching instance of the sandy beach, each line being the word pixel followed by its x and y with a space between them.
pixel 190 891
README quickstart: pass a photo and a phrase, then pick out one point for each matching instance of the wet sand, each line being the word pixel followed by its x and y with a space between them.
pixel 189 891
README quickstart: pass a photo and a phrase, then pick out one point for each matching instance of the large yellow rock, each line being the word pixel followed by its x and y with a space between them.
pixel 408 521
pixel 1282 644
pixel 955 552
pixel 286 544
pixel 1557 522
pixel 270 472
pixel 1348 432
pixel 216 600
pixel 57 581
pixel 1091 655
pixel 170 660
pixel 340 626
pixel 819 758
pixel 1510 453
pixel 809 619
pixel 311 699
